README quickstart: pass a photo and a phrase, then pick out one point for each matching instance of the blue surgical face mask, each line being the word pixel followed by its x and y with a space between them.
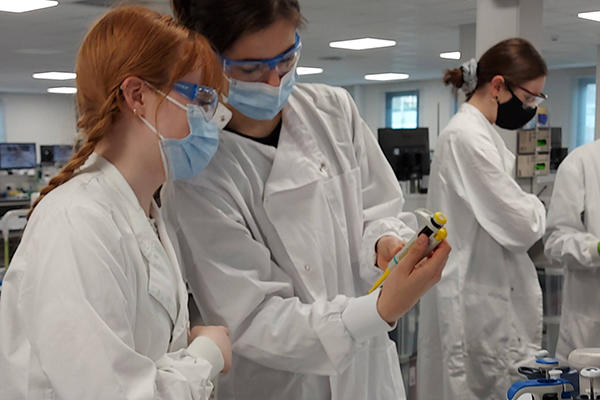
pixel 187 157
pixel 259 100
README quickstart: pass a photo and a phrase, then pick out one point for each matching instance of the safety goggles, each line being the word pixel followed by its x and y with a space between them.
pixel 202 96
pixel 254 70
pixel 531 100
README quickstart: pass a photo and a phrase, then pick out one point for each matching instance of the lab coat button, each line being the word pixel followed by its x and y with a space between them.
pixel 323 167
pixel 307 268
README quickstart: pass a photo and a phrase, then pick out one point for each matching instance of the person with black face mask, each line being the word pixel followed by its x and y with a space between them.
pixel 484 318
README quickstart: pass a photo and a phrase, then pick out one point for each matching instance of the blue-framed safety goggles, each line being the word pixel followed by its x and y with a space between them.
pixel 202 96
pixel 253 70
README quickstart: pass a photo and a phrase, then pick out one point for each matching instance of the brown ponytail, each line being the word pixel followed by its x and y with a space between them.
pixel 454 77
pixel 129 41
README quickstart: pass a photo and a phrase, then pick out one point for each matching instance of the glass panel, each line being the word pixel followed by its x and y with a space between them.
pixel 404 109
pixel 590 112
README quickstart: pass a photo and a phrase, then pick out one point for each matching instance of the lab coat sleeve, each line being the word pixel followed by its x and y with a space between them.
pixel 79 307
pixel 236 283
pixel 567 240
pixel 382 196
pixel 514 218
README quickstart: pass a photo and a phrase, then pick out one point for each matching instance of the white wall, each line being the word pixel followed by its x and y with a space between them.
pixel 436 104
pixel 43 119
pixel 561 86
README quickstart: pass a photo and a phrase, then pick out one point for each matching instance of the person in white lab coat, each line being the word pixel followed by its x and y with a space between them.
pixel 289 217
pixel 573 239
pixel 485 315
pixel 93 305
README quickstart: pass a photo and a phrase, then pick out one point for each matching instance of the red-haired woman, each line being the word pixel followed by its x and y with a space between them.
pixel 93 305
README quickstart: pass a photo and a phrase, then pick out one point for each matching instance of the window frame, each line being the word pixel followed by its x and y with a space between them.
pixel 389 96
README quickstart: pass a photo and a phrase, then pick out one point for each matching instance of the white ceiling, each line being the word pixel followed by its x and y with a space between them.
pixel 47 40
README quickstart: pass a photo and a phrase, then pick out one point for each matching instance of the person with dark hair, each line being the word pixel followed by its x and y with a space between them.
pixel 485 316
pixel 292 222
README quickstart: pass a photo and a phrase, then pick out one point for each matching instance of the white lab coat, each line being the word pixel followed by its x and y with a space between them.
pixel 572 239
pixel 93 306
pixel 279 246
pixel 485 315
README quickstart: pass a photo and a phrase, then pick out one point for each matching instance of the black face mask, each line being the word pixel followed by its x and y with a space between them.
pixel 512 115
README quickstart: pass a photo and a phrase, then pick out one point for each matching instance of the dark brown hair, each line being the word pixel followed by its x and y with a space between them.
pixel 223 22
pixel 515 59
pixel 129 41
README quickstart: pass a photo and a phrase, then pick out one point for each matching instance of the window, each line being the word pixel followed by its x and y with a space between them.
pixel 587 111
pixel 402 110
pixel 2 123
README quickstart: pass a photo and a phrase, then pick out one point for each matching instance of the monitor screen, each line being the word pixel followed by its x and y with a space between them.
pixel 47 154
pixel 56 153
pixel 62 153
pixel 407 151
pixel 17 155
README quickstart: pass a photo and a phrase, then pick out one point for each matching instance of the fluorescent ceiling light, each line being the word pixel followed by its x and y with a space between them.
pixel 55 76
pixel 362 44
pixel 451 55
pixel 388 76
pixel 62 90
pixel 593 15
pixel 19 6
pixel 309 70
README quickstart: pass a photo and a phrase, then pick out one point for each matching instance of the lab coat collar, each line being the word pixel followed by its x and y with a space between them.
pixel 297 152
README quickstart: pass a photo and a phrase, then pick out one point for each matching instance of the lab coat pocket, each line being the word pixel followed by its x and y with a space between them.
pixel 160 281
pixel 577 330
pixel 487 330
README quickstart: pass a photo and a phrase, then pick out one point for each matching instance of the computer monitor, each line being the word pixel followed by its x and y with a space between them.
pixel 56 153
pixel 407 151
pixel 17 156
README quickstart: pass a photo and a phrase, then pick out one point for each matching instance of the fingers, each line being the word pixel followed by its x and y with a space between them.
pixel 387 248
pixel 442 250
pixel 430 269
pixel 415 253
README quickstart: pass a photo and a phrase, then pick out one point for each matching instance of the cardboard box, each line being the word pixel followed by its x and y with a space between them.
pixel 526 141
pixel 532 141
pixel 543 140
pixel 530 165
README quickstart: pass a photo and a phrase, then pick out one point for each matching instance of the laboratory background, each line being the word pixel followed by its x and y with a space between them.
pixel 389 54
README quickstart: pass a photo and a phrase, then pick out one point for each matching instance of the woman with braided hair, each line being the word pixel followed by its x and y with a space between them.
pixel 93 305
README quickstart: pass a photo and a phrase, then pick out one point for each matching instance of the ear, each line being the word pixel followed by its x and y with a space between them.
pixel 134 90
pixel 497 86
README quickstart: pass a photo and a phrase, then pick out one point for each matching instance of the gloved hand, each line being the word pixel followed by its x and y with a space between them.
pixel 219 335
pixel 411 278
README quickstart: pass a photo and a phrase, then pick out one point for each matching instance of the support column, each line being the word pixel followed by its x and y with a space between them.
pixel 466 40
pixel 597 117
pixel 501 19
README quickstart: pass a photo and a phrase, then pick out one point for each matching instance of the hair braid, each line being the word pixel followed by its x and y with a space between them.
pixel 98 124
